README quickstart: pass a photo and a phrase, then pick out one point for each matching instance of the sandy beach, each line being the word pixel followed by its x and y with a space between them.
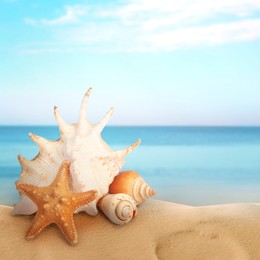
pixel 161 230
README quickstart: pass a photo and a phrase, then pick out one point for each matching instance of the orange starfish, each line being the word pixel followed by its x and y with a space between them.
pixel 56 204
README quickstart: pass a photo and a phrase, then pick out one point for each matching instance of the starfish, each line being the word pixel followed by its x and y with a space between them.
pixel 56 204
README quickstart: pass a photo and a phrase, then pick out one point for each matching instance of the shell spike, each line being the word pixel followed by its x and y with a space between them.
pixel 82 112
pixel 40 141
pixel 100 126
pixel 129 149
pixel 23 161
pixel 61 123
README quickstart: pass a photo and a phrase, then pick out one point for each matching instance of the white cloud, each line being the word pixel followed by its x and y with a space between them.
pixel 203 35
pixel 72 15
pixel 155 25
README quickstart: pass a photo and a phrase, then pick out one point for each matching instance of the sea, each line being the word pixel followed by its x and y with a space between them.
pixel 188 165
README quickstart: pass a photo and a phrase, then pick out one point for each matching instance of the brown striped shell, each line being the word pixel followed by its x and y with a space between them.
pixel 131 183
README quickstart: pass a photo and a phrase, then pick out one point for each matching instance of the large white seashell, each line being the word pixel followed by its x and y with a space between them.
pixel 93 163
pixel 120 208
pixel 131 183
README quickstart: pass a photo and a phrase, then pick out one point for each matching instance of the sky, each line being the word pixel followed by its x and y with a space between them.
pixel 157 62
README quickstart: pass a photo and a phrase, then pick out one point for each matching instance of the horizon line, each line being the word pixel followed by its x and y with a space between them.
pixel 52 125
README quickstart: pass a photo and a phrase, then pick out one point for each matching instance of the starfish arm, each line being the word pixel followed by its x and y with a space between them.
pixel 39 223
pixel 67 227
pixel 56 204
pixel 62 178
pixel 82 198
pixel 31 191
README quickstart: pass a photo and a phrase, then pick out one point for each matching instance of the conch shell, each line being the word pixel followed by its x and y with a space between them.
pixel 131 183
pixel 93 163
pixel 119 208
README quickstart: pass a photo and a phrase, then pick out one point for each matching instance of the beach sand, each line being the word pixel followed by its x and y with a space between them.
pixel 161 230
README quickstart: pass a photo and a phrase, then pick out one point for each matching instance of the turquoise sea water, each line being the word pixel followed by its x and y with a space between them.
pixel 190 165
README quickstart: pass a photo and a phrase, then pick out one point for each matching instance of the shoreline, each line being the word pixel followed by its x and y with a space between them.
pixel 161 230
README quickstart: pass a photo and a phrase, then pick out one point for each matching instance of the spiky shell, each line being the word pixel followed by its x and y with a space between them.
pixel 93 163
pixel 119 208
pixel 131 183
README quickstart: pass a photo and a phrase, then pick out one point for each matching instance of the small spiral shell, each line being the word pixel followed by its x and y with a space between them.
pixel 119 208
pixel 131 183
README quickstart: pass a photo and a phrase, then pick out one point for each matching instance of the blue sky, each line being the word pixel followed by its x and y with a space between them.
pixel 158 62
